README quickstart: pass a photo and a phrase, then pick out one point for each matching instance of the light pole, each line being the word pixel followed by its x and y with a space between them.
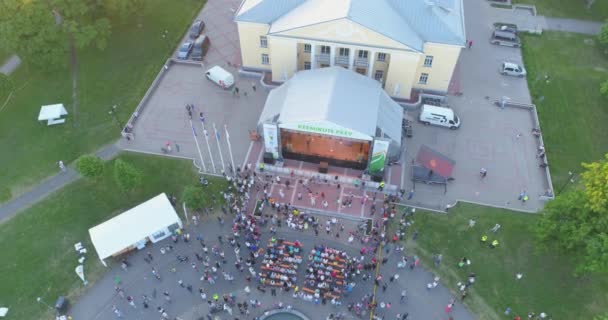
pixel 570 179
pixel 113 113
pixel 39 299
pixel 165 36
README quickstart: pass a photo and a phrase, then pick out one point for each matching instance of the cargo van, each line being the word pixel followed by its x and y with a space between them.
pixel 439 116
pixel 201 45
pixel 220 77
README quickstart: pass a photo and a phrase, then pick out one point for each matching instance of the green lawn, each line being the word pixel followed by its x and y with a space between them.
pixel 38 245
pixel 572 112
pixel 575 9
pixel 119 75
pixel 4 55
pixel 548 284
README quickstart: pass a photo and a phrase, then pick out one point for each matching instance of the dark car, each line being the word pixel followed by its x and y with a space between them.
pixel 184 50
pixel 197 28
pixel 201 46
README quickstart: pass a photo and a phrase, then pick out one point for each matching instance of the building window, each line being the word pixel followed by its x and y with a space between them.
pixel 381 57
pixel 307 48
pixel 424 77
pixel 325 49
pixel 263 42
pixel 265 59
pixel 362 54
pixel 344 52
pixel 428 61
pixel 378 75
pixel 307 65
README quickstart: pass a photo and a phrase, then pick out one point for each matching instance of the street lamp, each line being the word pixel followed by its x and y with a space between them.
pixel 113 112
pixel 570 179
pixel 165 36
pixel 39 299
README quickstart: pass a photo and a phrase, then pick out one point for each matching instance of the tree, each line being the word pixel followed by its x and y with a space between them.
pixel 126 175
pixel 42 32
pixel 604 88
pixel 576 222
pixel 194 197
pixel 601 317
pixel 89 166
pixel 603 36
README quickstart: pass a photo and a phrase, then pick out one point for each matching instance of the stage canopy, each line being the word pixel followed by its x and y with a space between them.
pixel 334 101
pixel 130 227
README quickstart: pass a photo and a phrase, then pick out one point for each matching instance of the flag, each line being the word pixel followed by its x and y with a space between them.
pixel 193 131
pixel 206 133
pixel 217 135
pixel 227 135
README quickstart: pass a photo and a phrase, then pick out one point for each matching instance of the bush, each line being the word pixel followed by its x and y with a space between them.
pixel 89 166
pixel 604 88
pixel 194 197
pixel 603 36
pixel 126 175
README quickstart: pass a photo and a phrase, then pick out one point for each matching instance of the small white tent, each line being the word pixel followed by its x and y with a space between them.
pixel 152 220
pixel 52 114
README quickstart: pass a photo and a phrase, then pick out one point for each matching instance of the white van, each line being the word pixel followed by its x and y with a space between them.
pixel 220 77
pixel 439 116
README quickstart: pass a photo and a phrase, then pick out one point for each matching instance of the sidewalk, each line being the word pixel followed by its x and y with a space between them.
pixel 48 186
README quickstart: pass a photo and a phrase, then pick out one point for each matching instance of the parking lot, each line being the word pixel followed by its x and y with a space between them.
pixel 164 118
pixel 499 140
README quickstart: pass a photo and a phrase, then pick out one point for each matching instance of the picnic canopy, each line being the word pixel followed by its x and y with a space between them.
pixel 152 220
pixel 51 112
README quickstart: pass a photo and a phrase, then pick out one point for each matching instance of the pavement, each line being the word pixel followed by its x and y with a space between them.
pixel 98 300
pixel 10 65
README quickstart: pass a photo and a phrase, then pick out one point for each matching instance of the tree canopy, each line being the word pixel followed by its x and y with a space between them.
pixel 126 175
pixel 41 31
pixel 89 166
pixel 577 221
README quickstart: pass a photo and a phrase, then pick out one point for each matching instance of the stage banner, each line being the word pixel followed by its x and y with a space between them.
pixel 376 166
pixel 271 139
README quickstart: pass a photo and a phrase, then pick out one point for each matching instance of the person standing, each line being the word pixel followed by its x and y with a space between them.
pixel 483 172
pixel 253 86
pixel 61 166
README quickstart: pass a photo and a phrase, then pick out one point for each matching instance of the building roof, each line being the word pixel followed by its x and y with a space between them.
pixel 411 22
pixel 129 227
pixel 335 95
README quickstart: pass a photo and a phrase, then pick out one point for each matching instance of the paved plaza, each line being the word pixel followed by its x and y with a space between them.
pixel 137 280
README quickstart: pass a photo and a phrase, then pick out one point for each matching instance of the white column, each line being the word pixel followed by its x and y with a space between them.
pixel 351 58
pixel 372 59
pixel 332 56
pixel 313 57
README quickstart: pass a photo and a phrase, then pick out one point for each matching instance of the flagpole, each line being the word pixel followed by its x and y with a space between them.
pixel 208 147
pixel 229 146
pixel 217 138
pixel 197 146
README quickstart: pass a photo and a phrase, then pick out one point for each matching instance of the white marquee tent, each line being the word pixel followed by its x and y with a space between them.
pixel 52 114
pixel 152 220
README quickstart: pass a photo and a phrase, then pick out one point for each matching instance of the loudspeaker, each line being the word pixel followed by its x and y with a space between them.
pixel 268 159
pixel 323 167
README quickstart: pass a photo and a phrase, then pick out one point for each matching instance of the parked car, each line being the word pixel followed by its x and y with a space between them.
pixel 505 27
pixel 184 50
pixel 512 69
pixel 505 38
pixel 201 46
pixel 220 77
pixel 439 116
pixel 197 28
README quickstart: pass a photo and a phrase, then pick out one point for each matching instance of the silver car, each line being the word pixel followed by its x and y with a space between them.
pixel 184 50
pixel 512 69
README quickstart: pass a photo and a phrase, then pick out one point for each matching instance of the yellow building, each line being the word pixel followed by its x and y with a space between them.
pixel 405 45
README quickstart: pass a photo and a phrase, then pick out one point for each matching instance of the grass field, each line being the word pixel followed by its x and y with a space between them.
pixel 548 284
pixel 38 245
pixel 572 112
pixel 575 9
pixel 4 55
pixel 119 75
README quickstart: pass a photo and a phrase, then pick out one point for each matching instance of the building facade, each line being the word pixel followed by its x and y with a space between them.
pixel 404 45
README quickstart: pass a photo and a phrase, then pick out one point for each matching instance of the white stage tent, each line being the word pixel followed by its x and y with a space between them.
pixel 152 220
